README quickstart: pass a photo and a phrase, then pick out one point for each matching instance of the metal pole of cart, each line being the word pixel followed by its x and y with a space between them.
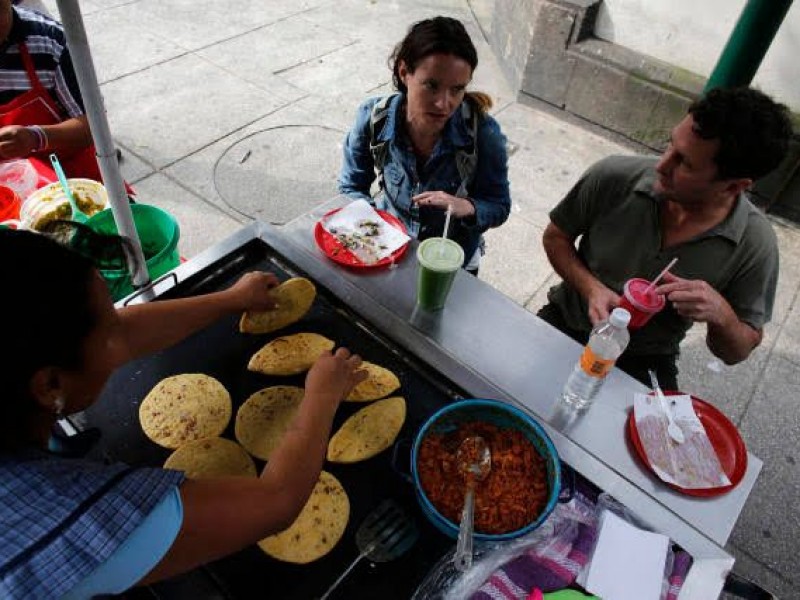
pixel 78 45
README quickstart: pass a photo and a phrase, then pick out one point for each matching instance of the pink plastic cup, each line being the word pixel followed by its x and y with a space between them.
pixel 639 302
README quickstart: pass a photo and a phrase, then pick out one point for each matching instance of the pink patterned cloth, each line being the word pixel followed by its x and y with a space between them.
pixel 556 566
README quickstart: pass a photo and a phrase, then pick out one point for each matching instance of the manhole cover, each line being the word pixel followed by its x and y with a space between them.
pixel 277 174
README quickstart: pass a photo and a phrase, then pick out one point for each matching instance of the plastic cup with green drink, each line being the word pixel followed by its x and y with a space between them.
pixel 439 260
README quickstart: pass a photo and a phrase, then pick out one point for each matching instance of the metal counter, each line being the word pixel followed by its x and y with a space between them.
pixel 493 348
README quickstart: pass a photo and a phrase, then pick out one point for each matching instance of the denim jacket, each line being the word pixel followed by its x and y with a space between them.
pixel 489 190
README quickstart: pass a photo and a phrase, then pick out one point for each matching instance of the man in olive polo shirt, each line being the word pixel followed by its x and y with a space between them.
pixel 635 214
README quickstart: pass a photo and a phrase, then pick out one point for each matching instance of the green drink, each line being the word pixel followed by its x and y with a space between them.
pixel 439 260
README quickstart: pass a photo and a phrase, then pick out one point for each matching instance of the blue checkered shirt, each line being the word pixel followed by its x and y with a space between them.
pixel 61 518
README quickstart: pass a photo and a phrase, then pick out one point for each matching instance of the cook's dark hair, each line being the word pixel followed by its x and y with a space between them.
pixel 47 316
pixel 753 130
pixel 439 35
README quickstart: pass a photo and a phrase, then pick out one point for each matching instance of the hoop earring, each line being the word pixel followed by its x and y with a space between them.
pixel 59 404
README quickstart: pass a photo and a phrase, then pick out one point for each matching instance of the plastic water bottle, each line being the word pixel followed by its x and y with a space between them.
pixel 608 340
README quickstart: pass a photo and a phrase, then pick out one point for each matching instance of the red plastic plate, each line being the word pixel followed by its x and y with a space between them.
pixel 724 437
pixel 333 248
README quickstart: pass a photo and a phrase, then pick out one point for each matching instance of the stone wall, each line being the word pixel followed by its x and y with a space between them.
pixel 549 53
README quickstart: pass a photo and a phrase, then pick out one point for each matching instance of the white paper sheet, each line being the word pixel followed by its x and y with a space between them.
pixel 691 465
pixel 360 228
pixel 628 563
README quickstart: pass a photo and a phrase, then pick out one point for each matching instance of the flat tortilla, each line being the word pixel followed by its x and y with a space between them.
pixel 186 407
pixel 211 457
pixel 317 529
pixel 265 416
pixel 290 354
pixel 293 297
pixel 379 383
pixel 368 432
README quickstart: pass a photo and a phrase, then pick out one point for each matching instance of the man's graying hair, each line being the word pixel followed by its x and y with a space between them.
pixel 753 131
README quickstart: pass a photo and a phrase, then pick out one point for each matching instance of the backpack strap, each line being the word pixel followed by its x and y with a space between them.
pixel 467 158
pixel 377 121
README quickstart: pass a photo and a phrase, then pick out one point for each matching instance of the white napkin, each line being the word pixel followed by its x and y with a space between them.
pixel 627 563
pixel 360 228
pixel 691 465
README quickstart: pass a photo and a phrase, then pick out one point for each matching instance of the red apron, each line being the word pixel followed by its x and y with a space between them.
pixel 37 107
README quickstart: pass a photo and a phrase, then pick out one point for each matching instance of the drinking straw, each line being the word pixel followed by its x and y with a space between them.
pixel 447 220
pixel 660 275
pixel 446 228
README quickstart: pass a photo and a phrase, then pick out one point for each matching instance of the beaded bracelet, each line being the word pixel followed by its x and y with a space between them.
pixel 41 137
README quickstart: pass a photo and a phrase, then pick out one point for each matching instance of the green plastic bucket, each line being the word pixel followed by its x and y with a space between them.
pixel 158 232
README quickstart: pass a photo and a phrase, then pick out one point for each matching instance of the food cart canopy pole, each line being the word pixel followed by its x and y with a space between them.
pixel 748 43
pixel 78 45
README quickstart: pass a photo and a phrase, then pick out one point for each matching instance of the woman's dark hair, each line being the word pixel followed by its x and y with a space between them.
pixel 47 315
pixel 440 35
pixel 753 130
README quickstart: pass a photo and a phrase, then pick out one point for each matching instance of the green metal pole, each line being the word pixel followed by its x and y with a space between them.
pixel 748 43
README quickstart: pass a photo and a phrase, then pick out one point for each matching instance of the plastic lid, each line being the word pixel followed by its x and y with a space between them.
pixel 440 254
pixel 619 318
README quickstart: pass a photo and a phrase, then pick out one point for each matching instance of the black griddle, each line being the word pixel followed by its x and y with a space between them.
pixel 222 352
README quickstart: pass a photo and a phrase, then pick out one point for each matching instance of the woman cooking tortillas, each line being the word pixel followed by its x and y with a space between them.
pixel 110 527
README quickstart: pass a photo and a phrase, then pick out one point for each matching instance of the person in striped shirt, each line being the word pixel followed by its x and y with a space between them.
pixel 41 109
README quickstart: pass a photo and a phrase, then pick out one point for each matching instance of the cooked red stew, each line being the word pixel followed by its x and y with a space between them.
pixel 511 496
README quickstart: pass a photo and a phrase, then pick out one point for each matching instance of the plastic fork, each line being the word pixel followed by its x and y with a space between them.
pixel 673 429
pixel 387 533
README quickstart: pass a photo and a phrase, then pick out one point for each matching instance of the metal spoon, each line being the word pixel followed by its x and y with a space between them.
pixel 474 461
pixel 673 429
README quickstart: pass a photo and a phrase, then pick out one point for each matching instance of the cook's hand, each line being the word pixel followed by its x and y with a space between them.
pixel 600 302
pixel 334 375
pixel 252 291
pixel 695 299
pixel 16 142
pixel 461 206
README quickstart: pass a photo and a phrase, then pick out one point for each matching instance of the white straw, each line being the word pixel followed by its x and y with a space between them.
pixel 447 220
pixel 660 275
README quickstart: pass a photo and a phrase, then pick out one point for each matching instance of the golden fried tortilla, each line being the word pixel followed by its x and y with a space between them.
pixel 368 432
pixel 183 408
pixel 211 457
pixel 265 416
pixel 290 354
pixel 317 529
pixel 379 383
pixel 293 297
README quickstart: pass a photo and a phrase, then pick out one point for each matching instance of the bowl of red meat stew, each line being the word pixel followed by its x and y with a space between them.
pixel 519 492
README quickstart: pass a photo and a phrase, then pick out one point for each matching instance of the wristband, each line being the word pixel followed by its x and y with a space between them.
pixel 41 138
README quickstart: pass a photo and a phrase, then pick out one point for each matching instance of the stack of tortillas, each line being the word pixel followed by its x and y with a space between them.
pixel 183 408
pixel 211 457
pixel 368 432
pixel 317 529
pixel 264 418
pixel 379 383
pixel 290 354
pixel 293 299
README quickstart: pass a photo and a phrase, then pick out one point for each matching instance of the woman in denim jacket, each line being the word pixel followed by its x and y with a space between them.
pixel 416 139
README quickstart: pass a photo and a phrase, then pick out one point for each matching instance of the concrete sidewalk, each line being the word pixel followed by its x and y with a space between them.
pixel 227 112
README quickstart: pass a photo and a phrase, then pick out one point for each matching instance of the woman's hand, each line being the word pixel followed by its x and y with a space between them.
pixel 252 292
pixel 462 207
pixel 334 375
pixel 16 142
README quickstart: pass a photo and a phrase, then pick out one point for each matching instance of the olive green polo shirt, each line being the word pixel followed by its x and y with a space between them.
pixel 613 208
